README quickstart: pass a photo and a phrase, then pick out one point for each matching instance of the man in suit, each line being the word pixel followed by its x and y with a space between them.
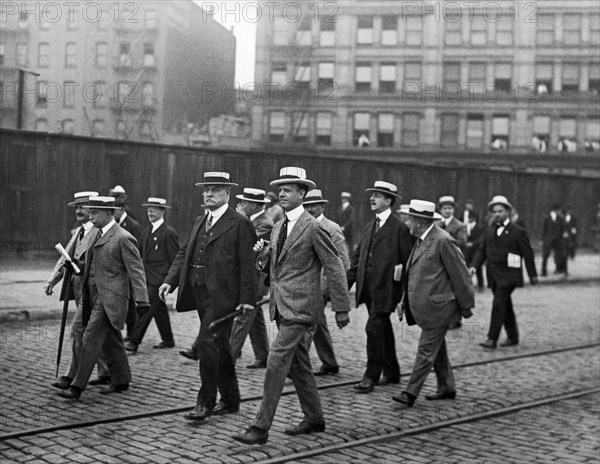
pixel 504 247
pixel 314 203
pixel 571 227
pixel 253 322
pixel 214 271
pixel 469 210
pixel 158 247
pixel 113 274
pixel 347 216
pixel 553 240
pixel 81 240
pixel 121 199
pixel 456 228
pixel 376 267
pixel 300 247
pixel 437 291
pixel 474 237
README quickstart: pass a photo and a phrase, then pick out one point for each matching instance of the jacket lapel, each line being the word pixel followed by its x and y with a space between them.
pixel 224 223
pixel 102 240
pixel 425 245
pixel 383 231
pixel 295 234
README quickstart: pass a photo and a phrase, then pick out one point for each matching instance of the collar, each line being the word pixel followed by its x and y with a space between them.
pixel 384 215
pixel 320 218
pixel 294 214
pixel 426 232
pixel 107 227
pixel 447 221
pixel 123 217
pixel 217 213
pixel 553 215
pixel 157 224
pixel 87 226
pixel 254 216
pixel 505 223
pixel 345 204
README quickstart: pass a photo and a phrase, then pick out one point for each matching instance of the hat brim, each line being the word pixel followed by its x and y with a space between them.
pixel 226 184
pixel 75 203
pixel 155 205
pixel 385 192
pixel 252 200
pixel 314 202
pixel 451 203
pixel 304 182
pixel 101 207
pixel 492 203
pixel 436 216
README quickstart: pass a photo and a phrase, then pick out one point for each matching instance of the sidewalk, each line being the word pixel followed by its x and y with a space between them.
pixel 22 286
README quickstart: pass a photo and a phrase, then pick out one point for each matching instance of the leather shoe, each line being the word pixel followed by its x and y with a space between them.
pixel 163 344
pixel 509 342
pixel 104 380
pixel 189 354
pixel 448 395
pixel 324 370
pixel 488 344
pixel 365 386
pixel 252 436
pixel 131 347
pixel 63 382
pixel 305 427
pixel 72 393
pixel 388 380
pixel 257 365
pixel 115 389
pixel 198 414
pixel 222 408
pixel 405 398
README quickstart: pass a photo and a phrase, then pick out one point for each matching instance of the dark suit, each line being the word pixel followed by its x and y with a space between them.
pixel 437 287
pixel 571 227
pixel 504 276
pixel 474 239
pixel 372 268
pixel 554 235
pixel 347 219
pixel 226 279
pixel 158 250
pixel 135 229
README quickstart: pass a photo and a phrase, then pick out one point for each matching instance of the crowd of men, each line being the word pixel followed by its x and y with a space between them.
pixel 418 263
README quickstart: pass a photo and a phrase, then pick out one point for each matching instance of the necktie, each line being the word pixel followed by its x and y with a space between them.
pixel 377 225
pixel 81 234
pixel 209 222
pixel 282 236
pixel 443 226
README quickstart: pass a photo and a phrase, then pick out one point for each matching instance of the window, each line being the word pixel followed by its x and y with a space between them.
pixel 474 130
pixel 545 29
pixel 544 73
pixel 280 31
pixel 300 127
pixel 41 93
pixel 479 30
pixel 98 127
pixel 69 88
pixel 276 126
pixel 389 30
pixel 571 29
pixel 327 33
pixel 43 55
pixel 279 74
pixel 592 134
pixel 124 57
pixel 304 32
pixel 505 30
pixel 363 77
pixel 302 76
pixel 413 72
pixel 410 129
pixel 149 55
pixel 570 78
pixel 364 34
pixel 594 78
pixel 362 129
pixel 413 31
pixel 385 130
pixel 94 94
pixel 324 126
pixel 101 54
pixel 70 55
pixel 540 138
pixel 326 75
pixel 449 131
pixel 387 78
pixel 68 126
pixel 41 125
pixel 500 129
pixel 22 54
pixel 451 74
pixel 595 30
pixel 477 73
pixel 567 135
pixel 148 94
pixel 503 77
pixel 453 34
pixel 150 19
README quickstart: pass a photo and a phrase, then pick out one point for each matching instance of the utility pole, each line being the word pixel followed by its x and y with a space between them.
pixel 21 94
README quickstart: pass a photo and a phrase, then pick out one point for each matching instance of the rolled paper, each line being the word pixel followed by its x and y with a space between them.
pixel 65 255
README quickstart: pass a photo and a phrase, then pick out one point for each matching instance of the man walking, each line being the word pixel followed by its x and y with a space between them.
pixel 319 332
pixel 300 246
pixel 377 267
pixel 449 223
pixel 113 274
pixel 214 271
pixel 437 292
pixel 553 240
pixel 158 247
pixel 504 247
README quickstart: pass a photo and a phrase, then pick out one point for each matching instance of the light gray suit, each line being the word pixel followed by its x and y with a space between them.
pixel 296 302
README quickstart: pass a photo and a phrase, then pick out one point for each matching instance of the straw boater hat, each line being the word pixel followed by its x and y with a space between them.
pixel 314 197
pixel 156 202
pixel 98 202
pixel 116 190
pixel 254 196
pixel 404 208
pixel 423 209
pixel 499 200
pixel 293 175
pixel 447 200
pixel 386 188
pixel 82 197
pixel 346 195
pixel 216 178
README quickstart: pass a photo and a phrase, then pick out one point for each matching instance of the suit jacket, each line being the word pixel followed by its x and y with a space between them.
pixel 437 284
pixel 77 251
pixel 348 222
pixel 339 241
pixel 391 246
pixel 296 275
pixel 457 230
pixel 494 252
pixel 229 264
pixel 263 225
pixel 119 275
pixel 158 250
pixel 553 230
pixel 132 226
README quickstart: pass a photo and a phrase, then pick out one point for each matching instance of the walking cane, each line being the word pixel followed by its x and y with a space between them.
pixel 63 320
pixel 214 325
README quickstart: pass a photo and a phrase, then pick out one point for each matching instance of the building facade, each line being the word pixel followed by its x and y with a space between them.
pixel 430 75
pixel 129 70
